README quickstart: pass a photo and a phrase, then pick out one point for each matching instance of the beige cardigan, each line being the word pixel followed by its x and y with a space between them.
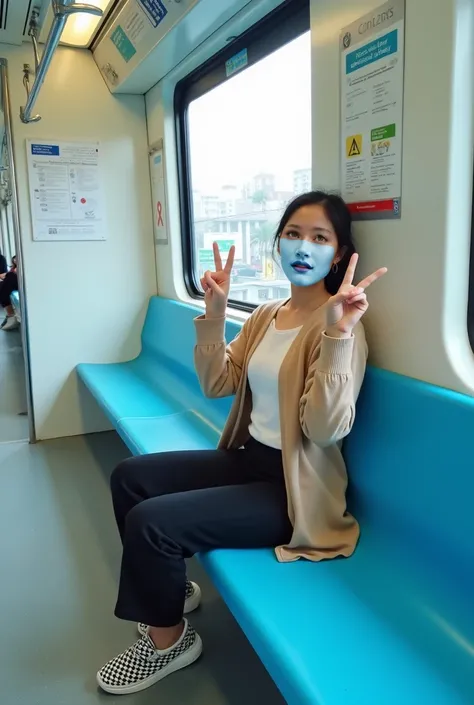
pixel 319 382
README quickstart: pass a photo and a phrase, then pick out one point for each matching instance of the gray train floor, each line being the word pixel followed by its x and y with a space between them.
pixel 59 558
pixel 13 425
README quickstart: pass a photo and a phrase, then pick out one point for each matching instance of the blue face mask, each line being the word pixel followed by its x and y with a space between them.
pixel 305 263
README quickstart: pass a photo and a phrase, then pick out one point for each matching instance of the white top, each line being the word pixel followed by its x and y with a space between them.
pixel 263 371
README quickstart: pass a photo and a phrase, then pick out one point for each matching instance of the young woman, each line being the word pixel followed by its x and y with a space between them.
pixel 278 478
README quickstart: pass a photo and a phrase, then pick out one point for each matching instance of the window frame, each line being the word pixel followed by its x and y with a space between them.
pixel 281 26
pixel 470 298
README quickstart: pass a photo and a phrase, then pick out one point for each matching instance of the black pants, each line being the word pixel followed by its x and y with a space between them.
pixel 8 286
pixel 170 506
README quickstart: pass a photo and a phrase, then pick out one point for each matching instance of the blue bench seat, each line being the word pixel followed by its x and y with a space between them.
pixel 393 624
pixel 184 431
pixel 362 630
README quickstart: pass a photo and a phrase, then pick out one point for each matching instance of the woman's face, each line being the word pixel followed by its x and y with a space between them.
pixel 308 246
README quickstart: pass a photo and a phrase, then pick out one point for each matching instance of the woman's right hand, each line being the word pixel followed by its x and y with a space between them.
pixel 216 284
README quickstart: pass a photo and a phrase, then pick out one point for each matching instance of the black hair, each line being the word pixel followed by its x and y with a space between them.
pixel 339 215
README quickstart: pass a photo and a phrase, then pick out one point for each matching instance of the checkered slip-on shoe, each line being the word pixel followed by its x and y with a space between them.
pixel 143 665
pixel 193 599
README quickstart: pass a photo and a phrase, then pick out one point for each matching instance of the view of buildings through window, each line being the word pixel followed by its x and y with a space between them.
pixel 250 153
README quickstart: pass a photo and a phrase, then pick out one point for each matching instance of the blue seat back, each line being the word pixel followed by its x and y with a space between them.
pixel 169 331
pixel 410 467
pixel 168 338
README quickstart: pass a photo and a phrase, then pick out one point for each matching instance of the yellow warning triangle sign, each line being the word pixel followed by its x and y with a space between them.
pixel 354 150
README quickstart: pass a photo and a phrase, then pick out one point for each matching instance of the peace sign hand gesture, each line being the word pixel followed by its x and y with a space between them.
pixel 216 284
pixel 347 307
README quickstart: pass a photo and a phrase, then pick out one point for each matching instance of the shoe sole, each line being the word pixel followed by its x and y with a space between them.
pixel 191 604
pixel 186 659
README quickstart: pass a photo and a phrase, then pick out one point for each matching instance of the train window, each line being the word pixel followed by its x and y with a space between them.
pixel 245 151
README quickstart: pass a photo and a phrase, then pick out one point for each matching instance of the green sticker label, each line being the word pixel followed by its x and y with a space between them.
pixel 123 43
pixel 382 133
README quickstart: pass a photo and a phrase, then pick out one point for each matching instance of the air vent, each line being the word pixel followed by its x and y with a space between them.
pixel 15 18
pixel 4 5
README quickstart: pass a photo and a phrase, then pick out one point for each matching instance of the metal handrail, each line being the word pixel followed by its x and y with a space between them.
pixel 61 12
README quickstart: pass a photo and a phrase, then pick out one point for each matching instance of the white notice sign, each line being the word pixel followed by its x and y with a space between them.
pixel 158 194
pixel 65 190
pixel 372 58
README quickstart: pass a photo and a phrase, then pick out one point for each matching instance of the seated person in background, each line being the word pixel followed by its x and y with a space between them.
pixel 3 266
pixel 278 478
pixel 8 286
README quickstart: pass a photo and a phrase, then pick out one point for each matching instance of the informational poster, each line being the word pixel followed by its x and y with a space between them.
pixel 65 190
pixel 372 67
pixel 158 193
pixel 135 22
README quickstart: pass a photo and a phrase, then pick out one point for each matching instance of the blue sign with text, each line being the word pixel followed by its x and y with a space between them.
pixel 373 51
pixel 236 62
pixel 46 150
pixel 154 10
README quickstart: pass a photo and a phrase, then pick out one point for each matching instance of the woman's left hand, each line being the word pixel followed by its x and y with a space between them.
pixel 347 307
